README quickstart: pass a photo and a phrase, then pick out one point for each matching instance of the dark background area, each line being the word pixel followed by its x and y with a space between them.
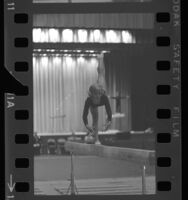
pixel 143 73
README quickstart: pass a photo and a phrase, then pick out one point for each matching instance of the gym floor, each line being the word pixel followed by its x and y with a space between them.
pixel 93 175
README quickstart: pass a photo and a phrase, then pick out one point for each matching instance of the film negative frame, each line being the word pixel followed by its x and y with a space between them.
pixel 19 179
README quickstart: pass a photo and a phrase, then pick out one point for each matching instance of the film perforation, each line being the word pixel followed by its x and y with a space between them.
pixel 163 161
pixel 163 65
pixel 163 41
pixel 163 89
pixel 22 187
pixel 21 138
pixel 163 137
pixel 21 42
pixel 163 17
pixel 164 186
pixel 21 18
pixel 21 66
pixel 163 113
pixel 21 162
pixel 21 114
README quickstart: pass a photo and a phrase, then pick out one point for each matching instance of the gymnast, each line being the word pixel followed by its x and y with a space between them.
pixel 97 97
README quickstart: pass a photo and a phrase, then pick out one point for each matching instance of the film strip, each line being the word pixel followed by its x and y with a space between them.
pixel 164 59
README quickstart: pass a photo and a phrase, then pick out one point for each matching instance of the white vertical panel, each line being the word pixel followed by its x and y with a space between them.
pixel 60 87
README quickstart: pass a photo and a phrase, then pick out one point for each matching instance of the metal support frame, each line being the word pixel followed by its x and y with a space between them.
pixel 72 187
pixel 138 156
pixel 143 179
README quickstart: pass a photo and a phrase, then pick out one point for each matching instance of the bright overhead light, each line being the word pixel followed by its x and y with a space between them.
pixel 90 51
pixel 36 34
pixel 40 35
pixel 34 59
pixel 112 36
pixel 68 60
pixel 104 51
pixel 94 61
pixel 44 37
pixel 67 35
pixel 127 37
pixel 97 35
pixel 44 60
pixel 80 59
pixel 82 35
pixel 57 59
pixel 54 35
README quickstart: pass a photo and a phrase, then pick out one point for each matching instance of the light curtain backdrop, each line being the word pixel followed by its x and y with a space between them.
pixel 61 84
pixel 60 88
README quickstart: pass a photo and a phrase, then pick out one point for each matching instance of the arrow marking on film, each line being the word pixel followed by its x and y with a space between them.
pixel 11 185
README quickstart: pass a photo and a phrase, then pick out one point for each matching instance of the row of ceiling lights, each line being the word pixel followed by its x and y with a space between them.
pixel 70 51
pixel 66 55
pixel 41 35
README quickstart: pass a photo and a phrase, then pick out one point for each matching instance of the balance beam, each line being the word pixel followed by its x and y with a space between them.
pixel 139 156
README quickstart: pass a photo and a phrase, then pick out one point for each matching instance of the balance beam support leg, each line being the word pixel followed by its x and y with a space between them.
pixel 143 179
pixel 72 187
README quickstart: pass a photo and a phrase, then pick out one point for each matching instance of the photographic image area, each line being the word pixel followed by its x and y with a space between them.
pixel 94 125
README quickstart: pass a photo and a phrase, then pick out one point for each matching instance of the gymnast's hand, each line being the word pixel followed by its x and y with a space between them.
pixel 107 125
